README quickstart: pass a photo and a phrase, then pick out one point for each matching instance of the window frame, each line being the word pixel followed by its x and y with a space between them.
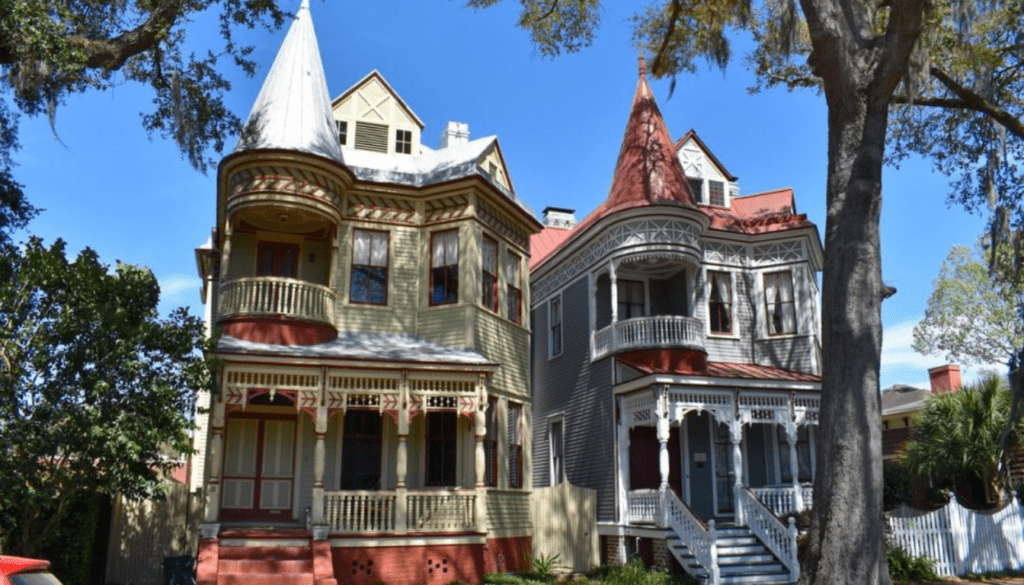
pixel 727 303
pixel 623 300
pixel 724 201
pixel 351 436
pixel 552 480
pixel 491 443
pixel 341 127
pixel 450 449
pixel 698 196
pixel 779 305
pixel 513 293
pixel 371 266
pixel 514 471
pixel 449 271
pixel 403 141
pixel 555 329
pixel 494 295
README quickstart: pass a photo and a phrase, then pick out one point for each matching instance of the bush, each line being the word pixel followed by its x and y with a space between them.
pixel 635 573
pixel 903 567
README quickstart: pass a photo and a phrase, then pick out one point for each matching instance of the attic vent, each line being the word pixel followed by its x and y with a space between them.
pixel 370 136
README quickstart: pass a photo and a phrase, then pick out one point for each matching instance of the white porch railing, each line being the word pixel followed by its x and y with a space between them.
pixel 271 295
pixel 701 541
pixel 782 499
pixel 644 506
pixel 360 511
pixel 646 332
pixel 776 537
pixel 394 512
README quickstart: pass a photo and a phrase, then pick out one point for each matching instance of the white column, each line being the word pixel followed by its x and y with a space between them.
pixel 623 475
pixel 216 462
pixel 614 292
pixel 402 459
pixel 736 434
pixel 663 434
pixel 794 466
pixel 319 457
pixel 225 260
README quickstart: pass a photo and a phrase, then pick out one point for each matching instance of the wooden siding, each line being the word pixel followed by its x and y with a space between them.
pixel 143 532
pixel 399 315
pixel 570 385
pixel 446 325
pixel 508 513
pixel 507 344
pixel 791 352
pixel 575 543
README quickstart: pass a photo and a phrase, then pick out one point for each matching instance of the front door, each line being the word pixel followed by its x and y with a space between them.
pixel 258 468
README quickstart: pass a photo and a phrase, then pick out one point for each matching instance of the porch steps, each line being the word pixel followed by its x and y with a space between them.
pixel 268 565
pixel 742 559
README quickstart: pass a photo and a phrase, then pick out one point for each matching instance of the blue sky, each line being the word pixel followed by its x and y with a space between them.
pixel 106 185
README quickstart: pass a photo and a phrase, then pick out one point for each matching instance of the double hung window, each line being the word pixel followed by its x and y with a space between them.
pixel 631 299
pixel 369 279
pixel 514 294
pixel 555 326
pixel 778 300
pixel 441 448
pixel 557 449
pixel 716 193
pixel 489 274
pixel 515 445
pixel 444 268
pixel 491 444
pixel 720 302
pixel 403 141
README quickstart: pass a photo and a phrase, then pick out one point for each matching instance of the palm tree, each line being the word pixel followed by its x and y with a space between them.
pixel 958 437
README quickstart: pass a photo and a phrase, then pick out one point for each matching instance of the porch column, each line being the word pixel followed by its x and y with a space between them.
pixel 663 434
pixel 736 434
pixel 794 465
pixel 480 432
pixel 225 261
pixel 623 478
pixel 402 458
pixel 614 294
pixel 216 462
pixel 319 457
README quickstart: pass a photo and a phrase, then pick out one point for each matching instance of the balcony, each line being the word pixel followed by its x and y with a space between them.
pixel 661 331
pixel 276 296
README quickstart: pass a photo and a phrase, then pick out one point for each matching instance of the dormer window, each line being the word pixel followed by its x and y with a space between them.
pixel 716 193
pixel 403 141
pixel 696 189
pixel 370 136
pixel 342 127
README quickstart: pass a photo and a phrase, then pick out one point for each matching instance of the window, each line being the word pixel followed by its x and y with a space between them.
pixel 361 450
pixel 555 326
pixel 491 444
pixel 631 299
pixel 444 268
pixel 441 446
pixel 515 295
pixel 277 259
pixel 716 193
pixel 778 300
pixel 370 136
pixel 342 127
pixel 556 448
pixel 720 302
pixel 696 189
pixel 403 141
pixel 369 281
pixel 489 274
pixel 515 446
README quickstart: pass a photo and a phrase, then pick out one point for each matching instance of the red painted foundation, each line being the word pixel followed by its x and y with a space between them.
pixel 431 564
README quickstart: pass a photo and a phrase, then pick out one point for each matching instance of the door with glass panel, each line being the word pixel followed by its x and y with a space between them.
pixel 258 468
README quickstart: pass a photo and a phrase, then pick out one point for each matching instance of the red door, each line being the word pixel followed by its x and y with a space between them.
pixel 258 478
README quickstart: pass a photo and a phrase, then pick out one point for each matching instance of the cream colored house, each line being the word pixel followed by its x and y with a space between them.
pixel 371 418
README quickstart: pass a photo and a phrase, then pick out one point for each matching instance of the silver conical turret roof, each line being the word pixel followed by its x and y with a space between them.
pixel 293 109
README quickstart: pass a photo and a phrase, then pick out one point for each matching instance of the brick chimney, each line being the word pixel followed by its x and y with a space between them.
pixel 562 217
pixel 945 378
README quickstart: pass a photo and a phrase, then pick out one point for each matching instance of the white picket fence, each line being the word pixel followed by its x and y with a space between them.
pixel 962 541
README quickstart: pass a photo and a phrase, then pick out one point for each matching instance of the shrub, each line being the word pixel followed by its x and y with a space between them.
pixel 904 567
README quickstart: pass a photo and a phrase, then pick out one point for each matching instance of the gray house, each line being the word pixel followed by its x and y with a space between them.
pixel 676 358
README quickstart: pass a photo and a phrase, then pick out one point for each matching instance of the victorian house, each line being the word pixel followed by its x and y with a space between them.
pixel 676 366
pixel 370 419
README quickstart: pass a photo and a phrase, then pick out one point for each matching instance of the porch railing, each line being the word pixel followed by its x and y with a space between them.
pixel 400 511
pixel 700 540
pixel 782 500
pixel 270 295
pixel 674 331
pixel 776 537
pixel 644 506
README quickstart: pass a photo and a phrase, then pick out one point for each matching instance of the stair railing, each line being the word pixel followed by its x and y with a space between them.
pixel 776 537
pixel 701 541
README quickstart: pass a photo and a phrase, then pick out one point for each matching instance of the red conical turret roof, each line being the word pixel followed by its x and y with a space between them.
pixel 647 171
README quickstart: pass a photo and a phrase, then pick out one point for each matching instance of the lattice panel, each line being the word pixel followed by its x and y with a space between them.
pixel 638 408
pixel 806 408
pixel 381 209
pixel 363 384
pixel 501 225
pixel 719 404
pixel 722 253
pixel 778 252
pixel 692 160
pixel 443 386
pixel 631 233
pixel 282 179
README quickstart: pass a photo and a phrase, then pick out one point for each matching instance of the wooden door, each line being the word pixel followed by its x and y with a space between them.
pixel 258 468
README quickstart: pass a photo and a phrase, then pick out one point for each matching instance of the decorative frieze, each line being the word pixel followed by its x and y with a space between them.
pixel 639 232
pixel 380 209
pixel 284 179
pixel 446 208
pixel 724 253
pixel 778 253
pixel 500 224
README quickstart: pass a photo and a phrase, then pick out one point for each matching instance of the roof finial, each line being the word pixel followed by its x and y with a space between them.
pixel 304 5
pixel 643 66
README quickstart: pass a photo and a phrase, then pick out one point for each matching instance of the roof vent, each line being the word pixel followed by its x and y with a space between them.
pixel 560 217
pixel 455 134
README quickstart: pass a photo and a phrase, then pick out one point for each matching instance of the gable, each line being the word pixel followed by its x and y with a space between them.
pixel 374 114
pixel 493 164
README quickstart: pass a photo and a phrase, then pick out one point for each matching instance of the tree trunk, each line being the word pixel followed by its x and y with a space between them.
pixel 847 544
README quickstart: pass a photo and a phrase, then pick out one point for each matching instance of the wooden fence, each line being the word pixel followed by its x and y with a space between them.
pixel 960 540
pixel 144 532
pixel 565 524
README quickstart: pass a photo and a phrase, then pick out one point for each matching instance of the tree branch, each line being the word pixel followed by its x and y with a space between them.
pixel 974 101
pixel 659 57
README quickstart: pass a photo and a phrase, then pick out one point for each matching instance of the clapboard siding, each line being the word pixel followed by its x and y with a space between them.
pixel 507 344
pixel 790 353
pixel 399 315
pixel 445 325
pixel 580 391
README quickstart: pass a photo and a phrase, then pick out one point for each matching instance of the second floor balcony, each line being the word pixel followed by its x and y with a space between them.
pixel 659 331
pixel 275 296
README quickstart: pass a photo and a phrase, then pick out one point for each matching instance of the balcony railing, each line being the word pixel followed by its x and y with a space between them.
pixel 672 331
pixel 782 500
pixel 270 295
pixel 400 511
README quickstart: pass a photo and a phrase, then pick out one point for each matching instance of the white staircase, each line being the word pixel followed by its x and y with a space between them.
pixel 742 559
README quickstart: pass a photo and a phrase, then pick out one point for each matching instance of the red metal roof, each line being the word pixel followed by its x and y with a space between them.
pixel 730 370
pixel 545 241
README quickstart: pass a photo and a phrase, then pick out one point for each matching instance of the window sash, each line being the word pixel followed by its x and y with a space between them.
pixel 556 447
pixel 555 323
pixel 515 446
pixel 631 299
pixel 514 296
pixel 489 270
pixel 780 309
pixel 716 193
pixel 720 302
pixel 444 275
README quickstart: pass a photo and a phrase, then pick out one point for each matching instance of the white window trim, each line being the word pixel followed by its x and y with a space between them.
pixel 561 330
pixel 560 418
pixel 734 333
pixel 762 300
